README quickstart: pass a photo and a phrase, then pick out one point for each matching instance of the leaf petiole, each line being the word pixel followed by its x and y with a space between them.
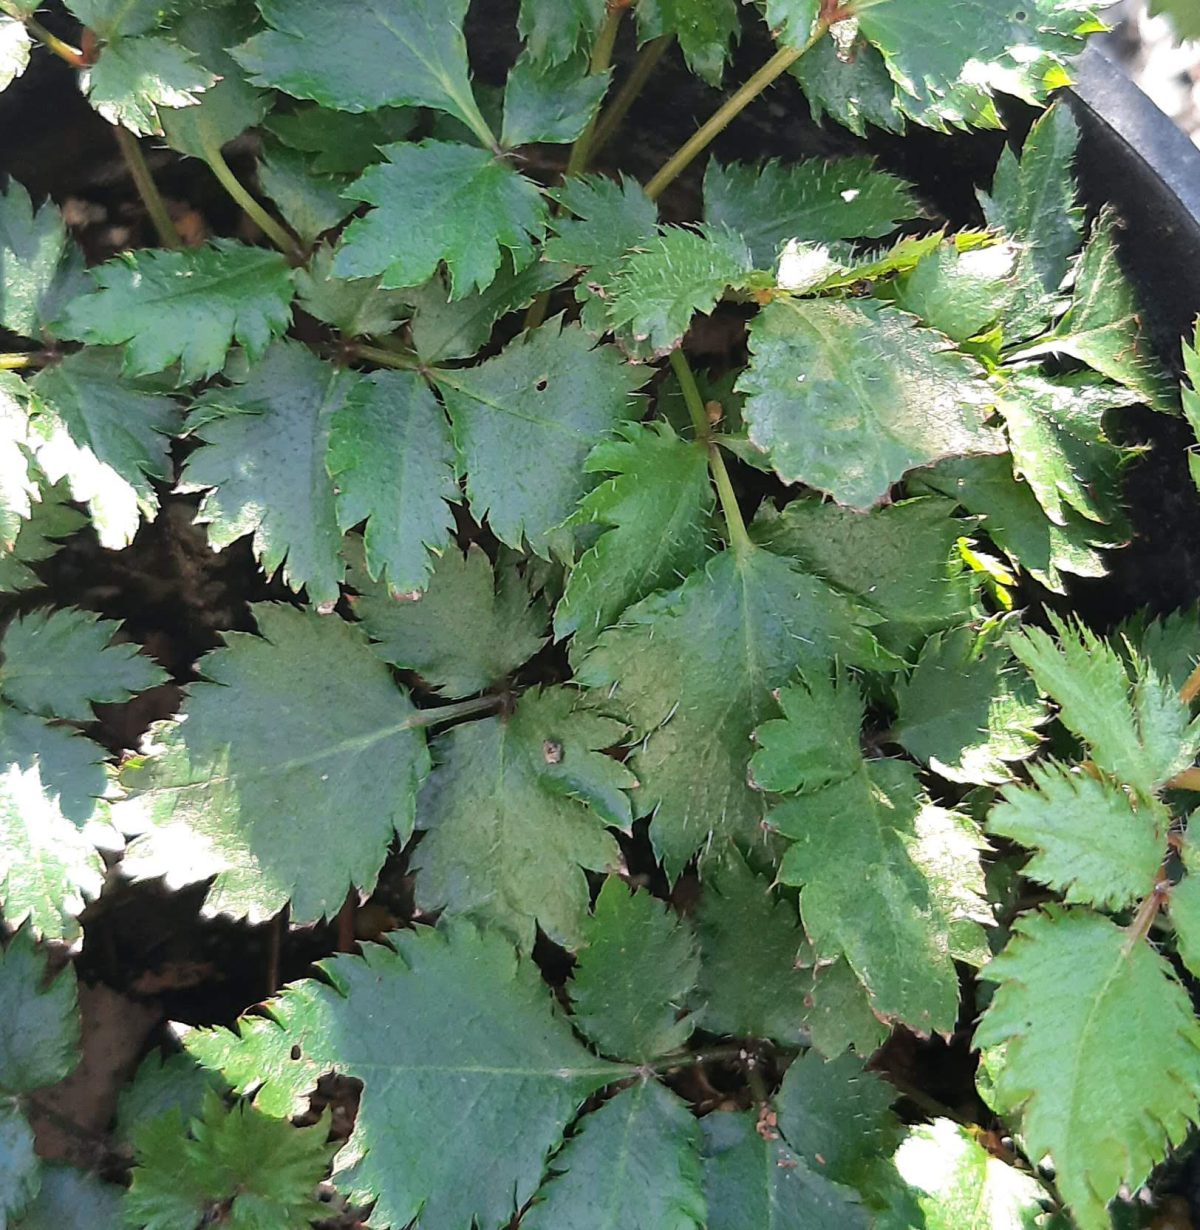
pixel 72 55
pixel 612 119
pixel 143 180
pixel 452 713
pixel 269 226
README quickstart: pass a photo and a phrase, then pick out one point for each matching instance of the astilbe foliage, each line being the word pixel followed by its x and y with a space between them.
pixel 704 689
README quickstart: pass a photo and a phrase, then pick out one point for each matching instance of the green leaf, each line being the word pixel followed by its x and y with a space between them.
pixel 15 45
pixel 1090 843
pixel 668 279
pixel 840 1016
pixel 391 460
pixel 553 104
pixel 445 328
pixel 72 1200
pixel 59 663
pixel 187 307
pixel 964 1187
pixel 658 503
pixel 515 810
pixel 39 1019
pixel 815 201
pixel 693 671
pixel 554 30
pixel 20 1169
pixel 381 53
pixel 845 78
pixel 288 737
pixel 18 479
pixel 961 293
pixel 311 204
pixel 1102 1053
pixel 225 110
pixel 705 30
pixel 136 79
pixel 464 633
pixel 107 437
pixel 921 899
pixel 51 520
pixel 440 201
pixel 174 1085
pixel 1103 328
pixel 341 143
pixel 837 1116
pixel 256 1170
pixel 112 19
pixel 847 396
pixel 610 218
pixel 41 268
pixel 751 981
pixel 967 710
pixel 792 21
pixel 1132 720
pixel 524 424
pixel 634 976
pixel 901 560
pixel 1015 522
pixel 1183 17
pixel 1170 645
pixel 755 1180
pixel 447 1011
pixel 633 1163
pixel 1183 905
pixel 262 465
pixel 356 307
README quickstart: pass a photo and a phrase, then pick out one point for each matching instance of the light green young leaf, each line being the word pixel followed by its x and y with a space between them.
pixel 1015 522
pixel 754 1181
pixel 967 710
pixel 356 307
pixel 440 201
pixel 257 1170
pixel 464 633
pixel 553 104
pixel 961 293
pixel 72 1199
pixel 311 204
pixel 59 663
pixel 921 899
pixel 1102 1053
pixel 107 437
pixel 634 1163
pixel 445 328
pixel 341 142
pixel 1132 720
pixel 187 307
pixel 658 502
pixel 288 737
pixel 554 30
pixel 705 30
pixel 900 560
pixel 524 424
pixel 847 396
pixel 225 110
pixel 751 946
pixel 15 45
pixel 837 1117
pixel 380 53
pixel 135 79
pixel 516 809
pixel 41 269
pixel 964 1187
pixel 174 1085
pixel 634 975
pixel 262 465
pixel 1090 843
pixel 51 519
pixel 670 278
pixel 1103 328
pixel 448 1010
pixel 693 671
pixel 391 460
pixel 840 1015
pixel 610 218
pixel 815 201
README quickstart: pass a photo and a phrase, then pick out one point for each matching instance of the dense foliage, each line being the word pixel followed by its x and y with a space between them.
pixel 711 705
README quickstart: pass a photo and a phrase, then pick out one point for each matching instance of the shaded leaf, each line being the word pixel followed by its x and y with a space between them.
pixel 705 30
pixel 552 104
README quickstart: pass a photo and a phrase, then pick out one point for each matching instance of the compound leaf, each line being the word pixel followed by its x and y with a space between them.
pixel 516 809
pixel 1102 1053
pixel 847 396
pixel 187 307
pixel 289 736
pixel 633 976
pixel 446 1011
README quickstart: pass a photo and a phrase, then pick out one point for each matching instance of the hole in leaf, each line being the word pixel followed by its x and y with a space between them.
pixel 296 1052
pixel 541 384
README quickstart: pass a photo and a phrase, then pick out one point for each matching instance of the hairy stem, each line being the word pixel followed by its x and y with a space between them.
pixel 273 229
pixel 612 119
pixel 73 56
pixel 774 68
pixel 602 55
pixel 131 151
pixel 451 713
pixel 399 359
pixel 1147 912
pixel 691 394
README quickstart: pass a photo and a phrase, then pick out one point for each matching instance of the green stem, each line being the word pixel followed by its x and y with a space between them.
pixel 451 713
pixel 642 71
pixel 73 56
pixel 21 362
pixel 774 68
pixel 691 394
pixel 273 229
pixel 397 359
pixel 602 55
pixel 131 151
pixel 695 1059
